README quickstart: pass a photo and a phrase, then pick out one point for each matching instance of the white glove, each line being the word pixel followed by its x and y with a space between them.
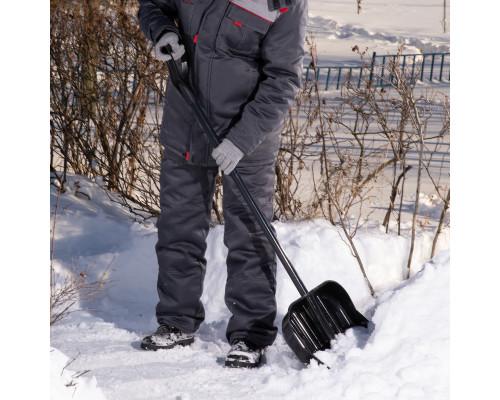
pixel 227 155
pixel 169 38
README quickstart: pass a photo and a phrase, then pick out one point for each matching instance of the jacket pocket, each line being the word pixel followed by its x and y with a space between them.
pixel 241 31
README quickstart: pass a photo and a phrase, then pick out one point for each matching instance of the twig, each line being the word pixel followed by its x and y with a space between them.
pixel 70 362
pixel 353 248
pixel 441 222
pixel 52 250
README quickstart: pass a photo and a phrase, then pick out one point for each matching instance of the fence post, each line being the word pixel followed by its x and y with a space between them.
pixel 338 78
pixel 441 70
pixel 328 77
pixel 316 86
pixel 372 68
pixel 413 68
pixel 432 66
pixel 383 70
pixel 393 67
pixel 422 72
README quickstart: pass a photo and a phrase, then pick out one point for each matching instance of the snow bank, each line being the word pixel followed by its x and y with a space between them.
pixel 317 250
pixel 67 384
pixel 406 355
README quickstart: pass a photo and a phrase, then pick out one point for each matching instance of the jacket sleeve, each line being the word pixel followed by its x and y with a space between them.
pixel 157 17
pixel 282 55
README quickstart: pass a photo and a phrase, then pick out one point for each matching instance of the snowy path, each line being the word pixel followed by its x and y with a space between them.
pixel 403 355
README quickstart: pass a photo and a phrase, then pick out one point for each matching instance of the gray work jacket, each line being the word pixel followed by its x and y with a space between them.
pixel 245 67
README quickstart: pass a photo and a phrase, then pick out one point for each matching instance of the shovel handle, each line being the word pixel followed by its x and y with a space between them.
pixel 200 116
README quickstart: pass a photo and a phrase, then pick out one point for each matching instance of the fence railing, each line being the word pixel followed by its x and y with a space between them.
pixel 426 67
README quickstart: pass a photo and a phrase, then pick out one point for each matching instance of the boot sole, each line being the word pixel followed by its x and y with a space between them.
pixel 241 364
pixel 154 347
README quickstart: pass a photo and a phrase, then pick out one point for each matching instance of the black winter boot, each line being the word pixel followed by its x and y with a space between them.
pixel 166 337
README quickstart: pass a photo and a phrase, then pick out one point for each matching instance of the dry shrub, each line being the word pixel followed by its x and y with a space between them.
pixel 106 90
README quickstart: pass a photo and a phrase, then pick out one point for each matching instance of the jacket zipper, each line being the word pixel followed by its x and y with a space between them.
pixel 207 103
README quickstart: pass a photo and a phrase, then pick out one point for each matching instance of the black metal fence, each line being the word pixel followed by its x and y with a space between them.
pixel 425 67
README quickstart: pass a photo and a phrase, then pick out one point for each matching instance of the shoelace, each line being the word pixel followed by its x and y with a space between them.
pixel 164 329
pixel 241 345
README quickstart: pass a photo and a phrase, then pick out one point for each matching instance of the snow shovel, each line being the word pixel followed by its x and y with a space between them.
pixel 319 314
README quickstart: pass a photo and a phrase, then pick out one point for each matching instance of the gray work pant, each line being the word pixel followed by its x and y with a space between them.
pixel 186 193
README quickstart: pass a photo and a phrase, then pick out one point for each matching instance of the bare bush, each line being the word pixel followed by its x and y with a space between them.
pixel 414 108
pixel 334 151
pixel 76 289
pixel 106 89
pixel 322 168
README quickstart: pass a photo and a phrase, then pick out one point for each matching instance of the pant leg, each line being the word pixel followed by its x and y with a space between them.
pixel 251 262
pixel 186 193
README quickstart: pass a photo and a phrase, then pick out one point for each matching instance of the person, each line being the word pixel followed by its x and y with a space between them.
pixel 244 61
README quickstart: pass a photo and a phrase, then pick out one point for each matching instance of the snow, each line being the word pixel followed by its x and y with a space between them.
pixel 382 26
pixel 405 352
pixel 67 384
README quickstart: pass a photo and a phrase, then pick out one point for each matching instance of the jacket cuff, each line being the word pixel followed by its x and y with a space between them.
pixel 235 137
pixel 157 35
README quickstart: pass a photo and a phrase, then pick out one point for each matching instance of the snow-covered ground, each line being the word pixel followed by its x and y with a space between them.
pixel 404 353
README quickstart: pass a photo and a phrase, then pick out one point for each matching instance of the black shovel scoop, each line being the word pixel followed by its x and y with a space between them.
pixel 321 313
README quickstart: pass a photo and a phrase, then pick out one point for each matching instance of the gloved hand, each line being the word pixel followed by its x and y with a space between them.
pixel 169 38
pixel 227 155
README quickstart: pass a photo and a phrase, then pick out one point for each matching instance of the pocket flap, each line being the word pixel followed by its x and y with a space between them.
pixel 249 19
